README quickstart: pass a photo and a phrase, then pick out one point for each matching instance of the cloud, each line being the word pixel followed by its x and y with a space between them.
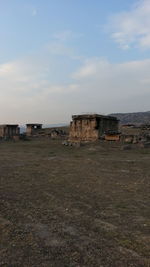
pixel 90 68
pixel 32 88
pixel 48 87
pixel 132 28
pixel 108 87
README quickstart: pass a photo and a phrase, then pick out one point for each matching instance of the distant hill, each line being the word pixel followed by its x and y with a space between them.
pixel 135 118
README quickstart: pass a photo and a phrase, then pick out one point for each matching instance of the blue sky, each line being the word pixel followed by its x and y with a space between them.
pixel 60 57
pixel 28 25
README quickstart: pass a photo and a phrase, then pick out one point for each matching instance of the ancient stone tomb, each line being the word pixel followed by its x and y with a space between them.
pixel 9 130
pixel 90 127
pixel 33 128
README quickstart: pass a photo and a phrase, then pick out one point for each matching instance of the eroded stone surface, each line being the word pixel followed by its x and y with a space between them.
pixel 91 127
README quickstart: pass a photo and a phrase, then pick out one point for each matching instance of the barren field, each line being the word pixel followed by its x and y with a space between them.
pixel 68 206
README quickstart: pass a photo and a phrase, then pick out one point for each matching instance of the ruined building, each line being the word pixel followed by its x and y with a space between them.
pixel 9 130
pixel 33 128
pixel 91 127
pixel 112 136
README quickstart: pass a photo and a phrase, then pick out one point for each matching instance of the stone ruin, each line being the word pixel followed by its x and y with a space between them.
pixel 36 130
pixel 33 128
pixel 83 128
pixel 112 136
pixel 137 134
pixel 9 131
pixel 57 134
pixel 91 127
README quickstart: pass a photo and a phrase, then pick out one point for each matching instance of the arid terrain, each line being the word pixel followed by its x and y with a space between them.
pixel 68 206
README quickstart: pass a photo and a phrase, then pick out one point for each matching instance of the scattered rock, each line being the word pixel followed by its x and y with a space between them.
pixel 65 143
pixel 74 144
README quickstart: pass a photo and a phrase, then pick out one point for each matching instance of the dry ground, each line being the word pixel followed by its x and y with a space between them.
pixel 66 206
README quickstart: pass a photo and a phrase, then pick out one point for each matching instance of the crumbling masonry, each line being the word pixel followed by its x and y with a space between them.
pixel 91 127
pixel 9 130
pixel 33 128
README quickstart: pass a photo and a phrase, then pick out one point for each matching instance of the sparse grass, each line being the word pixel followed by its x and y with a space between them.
pixel 68 206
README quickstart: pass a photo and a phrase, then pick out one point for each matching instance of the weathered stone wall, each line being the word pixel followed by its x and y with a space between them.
pixel 90 127
pixel 33 129
pixel 2 129
pixel 84 130
pixel 111 137
pixel 9 130
pixel 106 124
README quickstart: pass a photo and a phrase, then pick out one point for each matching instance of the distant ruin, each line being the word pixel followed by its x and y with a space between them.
pixel 112 136
pixel 9 130
pixel 85 127
pixel 90 127
pixel 33 128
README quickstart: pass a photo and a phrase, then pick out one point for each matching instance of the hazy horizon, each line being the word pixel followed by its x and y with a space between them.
pixel 67 123
pixel 60 58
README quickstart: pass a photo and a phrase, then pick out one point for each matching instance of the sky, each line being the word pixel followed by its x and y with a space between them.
pixel 65 57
